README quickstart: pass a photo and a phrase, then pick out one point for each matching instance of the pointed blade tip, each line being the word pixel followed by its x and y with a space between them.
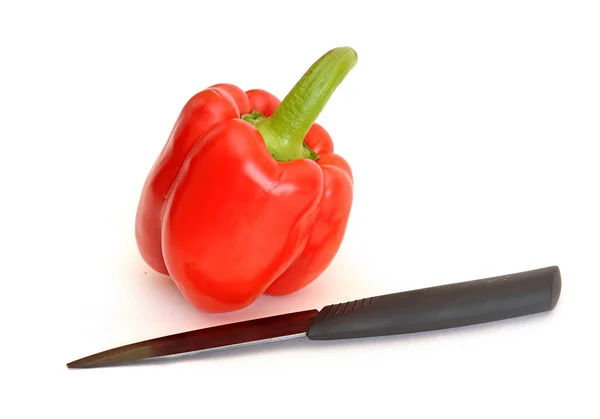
pixel 79 363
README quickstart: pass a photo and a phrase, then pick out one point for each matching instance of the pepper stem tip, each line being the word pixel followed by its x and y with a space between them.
pixel 285 130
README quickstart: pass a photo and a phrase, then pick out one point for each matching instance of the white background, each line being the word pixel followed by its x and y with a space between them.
pixel 472 130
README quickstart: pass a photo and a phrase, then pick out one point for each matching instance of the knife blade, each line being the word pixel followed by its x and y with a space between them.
pixel 423 310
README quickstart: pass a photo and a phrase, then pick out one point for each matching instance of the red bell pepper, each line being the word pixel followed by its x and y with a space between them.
pixel 248 197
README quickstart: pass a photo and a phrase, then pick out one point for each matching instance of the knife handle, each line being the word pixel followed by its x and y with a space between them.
pixel 441 307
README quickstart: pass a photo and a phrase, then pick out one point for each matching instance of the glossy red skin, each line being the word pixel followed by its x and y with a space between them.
pixel 200 113
pixel 334 210
pixel 225 220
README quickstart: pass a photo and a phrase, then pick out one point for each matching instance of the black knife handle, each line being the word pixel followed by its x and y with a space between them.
pixel 441 307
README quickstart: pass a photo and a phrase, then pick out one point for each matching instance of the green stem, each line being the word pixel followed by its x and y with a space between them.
pixel 285 130
pixel 255 117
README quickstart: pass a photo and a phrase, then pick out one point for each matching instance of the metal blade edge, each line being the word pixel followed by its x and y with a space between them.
pixel 250 332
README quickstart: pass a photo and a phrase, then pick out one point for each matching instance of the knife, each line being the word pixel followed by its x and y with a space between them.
pixel 423 310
